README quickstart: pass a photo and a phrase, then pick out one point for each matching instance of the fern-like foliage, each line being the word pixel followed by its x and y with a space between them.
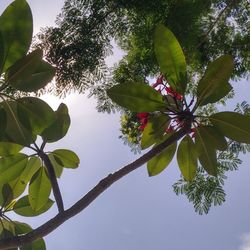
pixel 207 191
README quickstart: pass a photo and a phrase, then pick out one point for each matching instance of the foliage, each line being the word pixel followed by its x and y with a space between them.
pixel 165 116
pixel 204 134
pixel 22 121
pixel 85 29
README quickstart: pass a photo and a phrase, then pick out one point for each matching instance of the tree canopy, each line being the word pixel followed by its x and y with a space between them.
pixel 79 43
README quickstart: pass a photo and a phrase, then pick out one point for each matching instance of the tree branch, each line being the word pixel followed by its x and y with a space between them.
pixel 53 181
pixel 79 206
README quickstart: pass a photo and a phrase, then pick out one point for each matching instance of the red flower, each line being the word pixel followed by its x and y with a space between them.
pixel 143 119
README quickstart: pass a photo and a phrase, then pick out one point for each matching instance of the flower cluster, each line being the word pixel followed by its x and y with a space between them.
pixel 176 121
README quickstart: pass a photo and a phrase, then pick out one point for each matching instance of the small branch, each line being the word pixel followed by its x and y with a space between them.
pixel 86 200
pixel 53 180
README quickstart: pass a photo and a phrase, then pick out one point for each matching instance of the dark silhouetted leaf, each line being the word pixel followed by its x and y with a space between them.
pixel 58 129
pixel 187 158
pixel 206 152
pixel 233 125
pixel 35 114
pixel 214 84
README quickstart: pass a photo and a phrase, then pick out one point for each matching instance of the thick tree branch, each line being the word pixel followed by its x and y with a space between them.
pixel 53 181
pixel 79 206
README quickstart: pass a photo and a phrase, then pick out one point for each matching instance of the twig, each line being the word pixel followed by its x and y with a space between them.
pixel 53 181
pixel 86 200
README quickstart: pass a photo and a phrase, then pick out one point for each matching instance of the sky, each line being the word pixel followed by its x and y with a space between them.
pixel 137 212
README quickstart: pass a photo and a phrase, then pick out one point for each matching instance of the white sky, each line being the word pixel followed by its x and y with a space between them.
pixel 137 212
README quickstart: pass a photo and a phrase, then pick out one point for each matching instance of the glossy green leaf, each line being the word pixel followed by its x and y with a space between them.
pixel 66 158
pixel 12 166
pixel 171 58
pixel 214 137
pixel 39 189
pixel 187 158
pixel 214 84
pixel 23 207
pixel 35 114
pixel 137 97
pixel 158 163
pixel 57 167
pixel 154 130
pixel 9 148
pixel 59 128
pixel 206 152
pixel 16 26
pixel 15 131
pixel 31 73
pixel 19 184
pixel 233 125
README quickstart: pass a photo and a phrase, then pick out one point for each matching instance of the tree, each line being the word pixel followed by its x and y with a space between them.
pixel 79 43
pixel 26 118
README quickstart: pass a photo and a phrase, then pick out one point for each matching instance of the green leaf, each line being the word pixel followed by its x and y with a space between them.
pixel 23 228
pixel 206 151
pixel 8 225
pixel 30 73
pixel 158 163
pixel 66 158
pixel 137 97
pixel 9 148
pixel 15 131
pixel 23 207
pixel 19 184
pixel 16 26
pixel 214 84
pixel 59 128
pixel 154 130
pixel 35 245
pixel 173 104
pixel 35 114
pixel 39 189
pixel 171 58
pixel 7 195
pixel 57 167
pixel 214 137
pixel 11 167
pixel 187 158
pixel 233 125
